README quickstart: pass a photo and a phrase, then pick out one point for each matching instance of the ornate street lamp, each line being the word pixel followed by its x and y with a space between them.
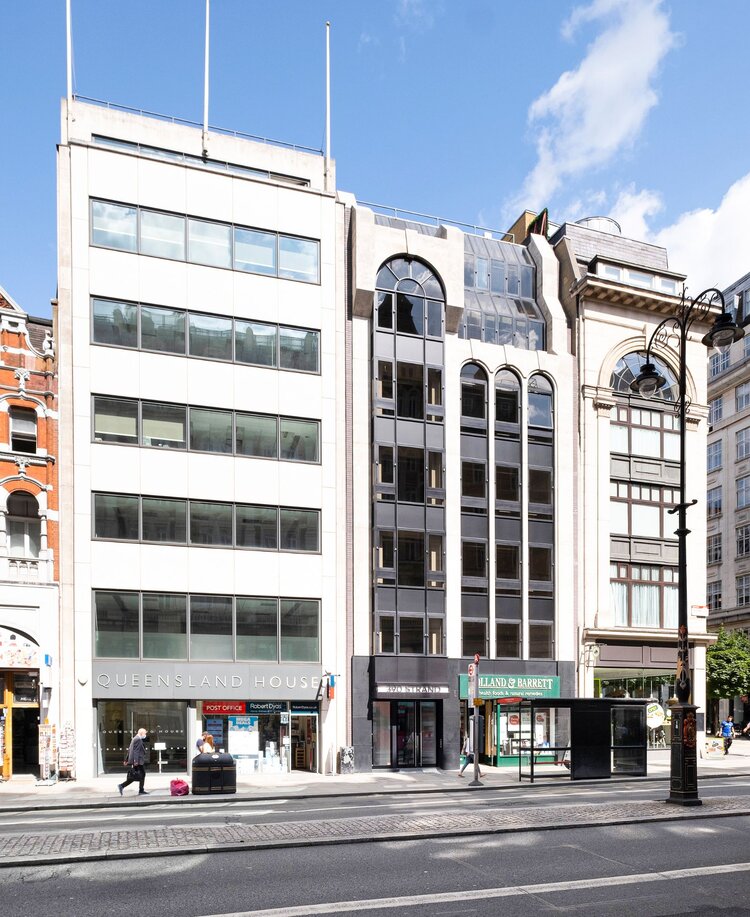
pixel 683 786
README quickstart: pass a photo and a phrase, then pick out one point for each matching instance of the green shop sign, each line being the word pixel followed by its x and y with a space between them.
pixel 494 686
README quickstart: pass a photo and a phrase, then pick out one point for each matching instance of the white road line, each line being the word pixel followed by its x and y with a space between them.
pixel 483 894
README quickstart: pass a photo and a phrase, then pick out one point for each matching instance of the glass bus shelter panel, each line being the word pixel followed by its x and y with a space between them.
pixel 591 743
pixel 547 753
pixel 629 741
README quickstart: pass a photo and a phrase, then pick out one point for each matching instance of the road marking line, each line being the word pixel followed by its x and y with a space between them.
pixel 482 894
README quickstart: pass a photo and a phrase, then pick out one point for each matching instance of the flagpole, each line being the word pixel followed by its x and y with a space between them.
pixel 205 80
pixel 328 104
pixel 69 52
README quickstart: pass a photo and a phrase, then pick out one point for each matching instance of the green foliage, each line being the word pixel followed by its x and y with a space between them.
pixel 728 665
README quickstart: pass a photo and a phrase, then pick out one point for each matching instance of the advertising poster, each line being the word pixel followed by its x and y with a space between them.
pixel 215 726
pixel 243 735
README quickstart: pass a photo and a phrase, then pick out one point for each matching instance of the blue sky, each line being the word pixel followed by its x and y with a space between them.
pixel 468 109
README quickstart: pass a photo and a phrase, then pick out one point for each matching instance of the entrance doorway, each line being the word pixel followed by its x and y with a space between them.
pixel 405 733
pixel 304 739
pixel 19 723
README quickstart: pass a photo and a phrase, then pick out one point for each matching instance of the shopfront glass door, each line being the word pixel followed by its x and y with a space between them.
pixel 406 734
pixel 428 733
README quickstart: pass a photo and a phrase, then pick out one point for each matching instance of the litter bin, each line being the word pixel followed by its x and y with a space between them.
pixel 214 773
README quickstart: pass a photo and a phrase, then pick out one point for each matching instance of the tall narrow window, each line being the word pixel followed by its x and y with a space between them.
pixel 24 525
pixel 23 430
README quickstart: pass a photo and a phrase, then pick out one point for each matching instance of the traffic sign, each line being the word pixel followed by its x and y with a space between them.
pixel 476 658
pixel 471 670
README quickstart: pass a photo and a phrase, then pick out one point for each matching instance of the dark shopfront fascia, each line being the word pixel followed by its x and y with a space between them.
pixel 267 716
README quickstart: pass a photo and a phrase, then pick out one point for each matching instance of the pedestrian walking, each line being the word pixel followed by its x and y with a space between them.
pixel 468 752
pixel 726 731
pixel 136 763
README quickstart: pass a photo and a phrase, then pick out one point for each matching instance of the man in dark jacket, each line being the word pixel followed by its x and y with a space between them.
pixel 136 763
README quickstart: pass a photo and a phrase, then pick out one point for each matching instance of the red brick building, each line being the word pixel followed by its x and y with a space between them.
pixel 29 543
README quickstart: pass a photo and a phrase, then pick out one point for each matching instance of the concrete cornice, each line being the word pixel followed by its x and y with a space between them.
pixel 644 635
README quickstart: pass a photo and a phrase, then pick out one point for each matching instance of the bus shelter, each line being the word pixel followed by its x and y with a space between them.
pixel 582 738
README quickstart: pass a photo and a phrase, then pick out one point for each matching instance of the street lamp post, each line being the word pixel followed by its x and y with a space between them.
pixel 683 784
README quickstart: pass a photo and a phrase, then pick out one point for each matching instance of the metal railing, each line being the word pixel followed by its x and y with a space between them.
pixel 431 220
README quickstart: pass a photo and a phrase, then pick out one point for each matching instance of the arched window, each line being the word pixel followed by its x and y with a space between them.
pixel 507 397
pixel 409 299
pixel 629 366
pixel 540 402
pixel 24 525
pixel 474 393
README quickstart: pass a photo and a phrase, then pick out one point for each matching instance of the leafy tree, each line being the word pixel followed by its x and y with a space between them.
pixel 728 665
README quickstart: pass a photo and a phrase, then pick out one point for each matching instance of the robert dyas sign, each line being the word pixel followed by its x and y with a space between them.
pixel 198 681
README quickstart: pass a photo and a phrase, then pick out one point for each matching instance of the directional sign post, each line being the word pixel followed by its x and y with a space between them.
pixel 476 702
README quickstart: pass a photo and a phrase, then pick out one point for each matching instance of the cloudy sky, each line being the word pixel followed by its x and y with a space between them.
pixel 471 110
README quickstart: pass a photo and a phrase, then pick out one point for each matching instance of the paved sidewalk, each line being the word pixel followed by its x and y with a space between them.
pixel 26 793
pixel 32 849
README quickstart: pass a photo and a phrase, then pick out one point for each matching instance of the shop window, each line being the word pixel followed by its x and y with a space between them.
pixel 116 624
pixel 300 640
pixel 508 640
pixel 22 430
pixel 411 635
pixel 540 641
pixel 210 336
pixel 473 638
pixel 164 626
pixel 114 323
pixel 257 629
pixel 24 525
pixel 166 722
pixel 255 343
pixel 211 627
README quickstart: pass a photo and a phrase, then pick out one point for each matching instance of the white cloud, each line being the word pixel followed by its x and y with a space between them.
pixel 710 246
pixel 417 13
pixel 632 210
pixel 598 109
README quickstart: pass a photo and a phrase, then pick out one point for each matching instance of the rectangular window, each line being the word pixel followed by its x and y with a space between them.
pixel 115 420
pixel 211 627
pixel 743 492
pixel 718 362
pixel 742 396
pixel 507 483
pixel 410 467
pixel 210 523
pixel 385 310
pixel 506 405
pixel 473 476
pixel 164 520
pixel 508 640
pixel 540 486
pixel 386 636
pixel 508 561
pixel 540 563
pixel 410 390
pixel 473 558
pixel 298 259
pixel 257 527
pixel 434 319
pixel 209 243
pixel 713 501
pixel 410 558
pixel 254 251
pixel 164 626
pixel 409 314
pixel 716 409
pixel 256 434
pixel 163 235
pixel 298 440
pixel 435 561
pixel 385 551
pixel 472 400
pixel 411 635
pixel 255 343
pixel 385 467
pixel 299 529
pixel 713 595
pixel 163 425
pixel 114 226
pixel 541 641
pixel 713 456
pixel 299 350
pixel 743 590
pixel 743 540
pixel 210 336
pixel 22 430
pixel 473 638
pixel 116 625
pixel 713 549
pixel 210 431
pixel 163 330
pixel 257 629
pixel 116 516
pixel 435 636
pixel 743 444
pixel 300 641
pixel 114 322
